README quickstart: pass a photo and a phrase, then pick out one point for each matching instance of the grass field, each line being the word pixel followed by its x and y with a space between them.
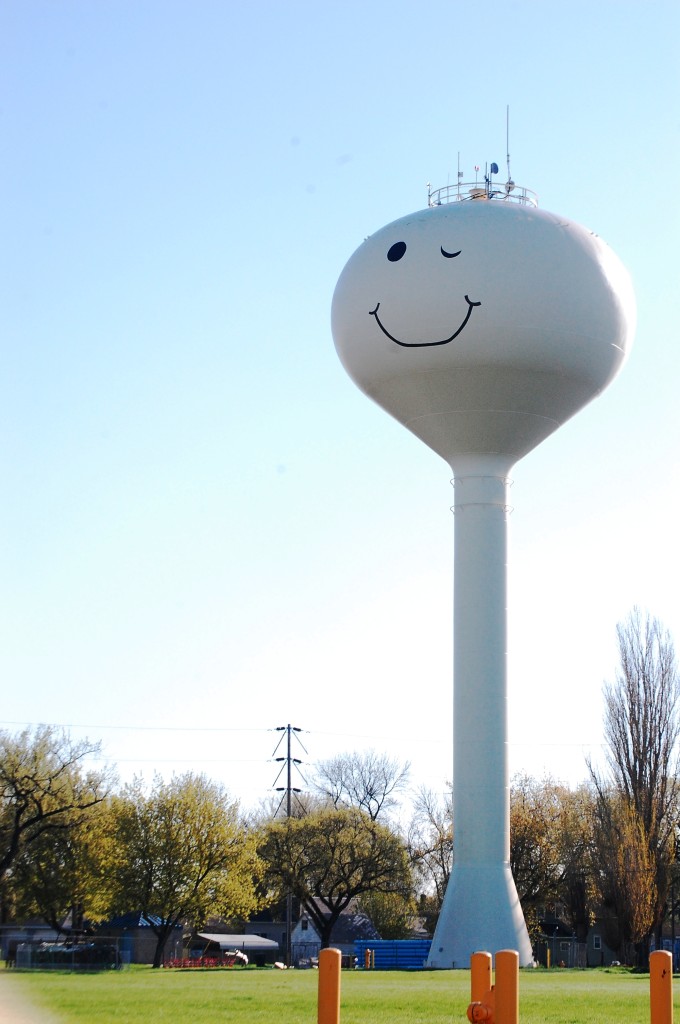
pixel 143 996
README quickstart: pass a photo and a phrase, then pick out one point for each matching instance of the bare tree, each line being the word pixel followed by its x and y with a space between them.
pixel 365 780
pixel 641 729
pixel 430 847
pixel 273 808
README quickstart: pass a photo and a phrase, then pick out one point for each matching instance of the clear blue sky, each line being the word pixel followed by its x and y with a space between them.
pixel 206 530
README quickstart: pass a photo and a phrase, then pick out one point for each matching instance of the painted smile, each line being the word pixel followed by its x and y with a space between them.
pixel 424 344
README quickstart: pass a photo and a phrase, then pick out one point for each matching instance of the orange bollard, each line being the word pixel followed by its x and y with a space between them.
pixel 328 1006
pixel 661 987
pixel 499 1003
pixel 507 987
pixel 482 994
pixel 480 976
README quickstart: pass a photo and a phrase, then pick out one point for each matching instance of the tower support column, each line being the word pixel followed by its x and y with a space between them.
pixel 481 909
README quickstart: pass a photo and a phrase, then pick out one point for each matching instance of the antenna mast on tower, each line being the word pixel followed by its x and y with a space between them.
pixel 507 146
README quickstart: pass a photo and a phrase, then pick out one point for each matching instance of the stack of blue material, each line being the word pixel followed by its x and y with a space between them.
pixel 394 954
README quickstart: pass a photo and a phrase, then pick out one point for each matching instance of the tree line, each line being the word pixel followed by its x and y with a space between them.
pixel 74 844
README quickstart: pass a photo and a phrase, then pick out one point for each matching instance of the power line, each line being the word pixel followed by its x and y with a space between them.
pixel 140 728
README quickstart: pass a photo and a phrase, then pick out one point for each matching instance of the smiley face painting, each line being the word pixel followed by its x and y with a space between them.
pixel 483 325
pixel 396 252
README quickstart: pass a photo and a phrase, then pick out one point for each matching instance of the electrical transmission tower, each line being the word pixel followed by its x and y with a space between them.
pixel 288 763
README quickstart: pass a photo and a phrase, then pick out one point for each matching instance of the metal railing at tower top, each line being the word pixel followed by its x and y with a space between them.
pixel 471 191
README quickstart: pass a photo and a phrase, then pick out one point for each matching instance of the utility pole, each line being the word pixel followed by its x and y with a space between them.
pixel 288 790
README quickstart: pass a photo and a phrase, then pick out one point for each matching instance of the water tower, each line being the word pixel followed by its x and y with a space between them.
pixel 482 324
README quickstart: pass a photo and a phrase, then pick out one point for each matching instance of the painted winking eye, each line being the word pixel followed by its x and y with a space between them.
pixel 450 255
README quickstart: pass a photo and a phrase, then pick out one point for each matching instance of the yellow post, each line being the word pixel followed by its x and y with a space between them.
pixel 328 1006
pixel 480 976
pixel 661 987
pixel 507 987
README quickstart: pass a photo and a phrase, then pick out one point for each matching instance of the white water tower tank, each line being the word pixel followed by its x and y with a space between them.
pixel 482 324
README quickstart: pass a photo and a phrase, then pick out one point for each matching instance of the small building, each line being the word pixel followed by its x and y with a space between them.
pixel 558 946
pixel 32 930
pixel 269 925
pixel 351 926
pixel 259 950
pixel 137 939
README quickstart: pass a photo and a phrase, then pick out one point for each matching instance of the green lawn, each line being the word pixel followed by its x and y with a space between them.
pixel 252 996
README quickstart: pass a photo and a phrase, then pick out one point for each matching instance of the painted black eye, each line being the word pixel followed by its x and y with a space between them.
pixel 396 251
pixel 450 255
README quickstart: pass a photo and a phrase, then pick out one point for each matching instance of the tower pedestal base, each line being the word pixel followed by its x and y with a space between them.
pixel 481 911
